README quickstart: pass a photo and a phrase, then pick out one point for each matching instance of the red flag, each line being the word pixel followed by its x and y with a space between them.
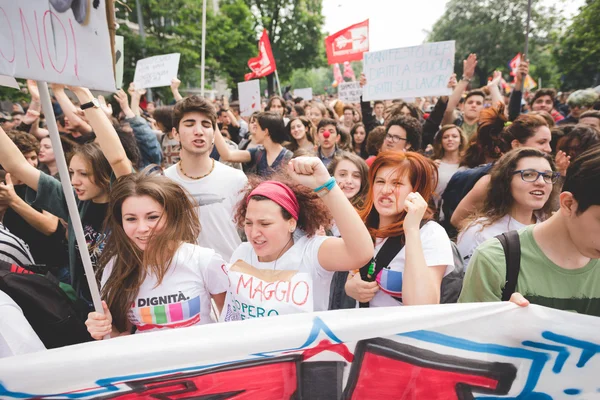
pixel 337 74
pixel 348 44
pixel 514 64
pixel 348 71
pixel 264 63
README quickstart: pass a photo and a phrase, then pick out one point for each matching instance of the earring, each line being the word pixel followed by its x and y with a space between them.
pixel 292 229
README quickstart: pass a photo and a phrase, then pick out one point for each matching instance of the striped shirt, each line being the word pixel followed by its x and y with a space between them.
pixel 13 249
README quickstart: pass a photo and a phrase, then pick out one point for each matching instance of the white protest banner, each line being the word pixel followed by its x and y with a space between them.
pixel 156 71
pixel 441 352
pixel 119 56
pixel 349 92
pixel 9 81
pixel 57 41
pixel 305 93
pixel 249 94
pixel 415 71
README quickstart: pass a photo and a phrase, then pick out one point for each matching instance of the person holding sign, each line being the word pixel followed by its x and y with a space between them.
pixel 284 268
pixel 154 276
pixel 400 222
pixel 91 174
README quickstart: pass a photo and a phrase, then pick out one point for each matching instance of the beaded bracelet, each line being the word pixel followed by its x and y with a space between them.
pixel 326 187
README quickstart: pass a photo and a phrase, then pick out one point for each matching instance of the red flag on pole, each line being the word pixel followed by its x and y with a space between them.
pixel 348 44
pixel 264 63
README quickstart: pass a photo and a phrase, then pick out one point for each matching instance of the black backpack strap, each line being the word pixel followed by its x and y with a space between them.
pixel 384 257
pixel 512 253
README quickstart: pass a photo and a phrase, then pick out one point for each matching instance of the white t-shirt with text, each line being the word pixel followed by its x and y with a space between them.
pixel 217 195
pixel 183 297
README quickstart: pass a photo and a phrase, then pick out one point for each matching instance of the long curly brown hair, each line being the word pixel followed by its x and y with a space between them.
pixel 487 143
pixel 313 212
pixel 131 265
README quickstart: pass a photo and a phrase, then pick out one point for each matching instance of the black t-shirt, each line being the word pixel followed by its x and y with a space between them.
pixel 46 250
pixel 233 132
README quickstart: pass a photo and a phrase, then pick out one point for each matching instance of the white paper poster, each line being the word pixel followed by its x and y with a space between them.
pixel 9 81
pixel 56 41
pixel 415 71
pixel 441 352
pixel 349 92
pixel 305 93
pixel 249 94
pixel 119 56
pixel 156 71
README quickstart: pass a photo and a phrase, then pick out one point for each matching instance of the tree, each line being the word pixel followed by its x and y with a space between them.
pixel 495 30
pixel 578 52
pixel 294 28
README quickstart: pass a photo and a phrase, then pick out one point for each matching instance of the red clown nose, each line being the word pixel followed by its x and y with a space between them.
pixel 326 134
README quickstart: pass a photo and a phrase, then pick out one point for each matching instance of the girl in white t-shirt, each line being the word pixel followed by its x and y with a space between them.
pixel 154 276
pixel 401 185
pixel 284 268
pixel 520 191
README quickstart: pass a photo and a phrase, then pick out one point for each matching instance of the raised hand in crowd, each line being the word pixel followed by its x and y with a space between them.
pixel 69 110
pixel 468 72
pixel 562 161
pixel 522 72
pixel 136 95
pixel 494 87
pixel 175 89
pixel 106 107
pixel 123 101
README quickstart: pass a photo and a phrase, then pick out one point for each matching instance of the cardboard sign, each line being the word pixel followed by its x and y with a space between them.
pixel 440 352
pixel 56 41
pixel 409 71
pixel 119 56
pixel 249 94
pixel 156 71
pixel 305 93
pixel 349 92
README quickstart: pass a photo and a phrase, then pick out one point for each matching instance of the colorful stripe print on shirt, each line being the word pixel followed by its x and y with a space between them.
pixel 174 315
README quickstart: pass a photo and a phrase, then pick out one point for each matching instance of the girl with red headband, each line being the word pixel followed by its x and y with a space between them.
pixel 396 211
pixel 284 268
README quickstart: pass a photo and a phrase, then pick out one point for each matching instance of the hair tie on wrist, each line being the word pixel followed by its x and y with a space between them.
pixel 507 123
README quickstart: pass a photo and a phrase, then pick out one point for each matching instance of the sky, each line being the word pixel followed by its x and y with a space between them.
pixel 396 23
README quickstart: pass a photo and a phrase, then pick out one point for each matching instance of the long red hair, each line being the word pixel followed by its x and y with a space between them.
pixel 423 176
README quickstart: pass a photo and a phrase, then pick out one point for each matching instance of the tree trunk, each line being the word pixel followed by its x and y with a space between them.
pixel 271 84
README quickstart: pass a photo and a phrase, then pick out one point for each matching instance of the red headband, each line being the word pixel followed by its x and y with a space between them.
pixel 280 194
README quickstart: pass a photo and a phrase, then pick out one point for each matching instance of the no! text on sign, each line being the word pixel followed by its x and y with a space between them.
pixel 409 71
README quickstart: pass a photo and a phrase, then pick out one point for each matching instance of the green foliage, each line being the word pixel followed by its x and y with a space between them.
pixel 495 31
pixel 578 52
pixel 294 28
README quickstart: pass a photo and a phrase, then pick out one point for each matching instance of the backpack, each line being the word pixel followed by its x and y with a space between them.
pixel 511 244
pixel 451 284
pixel 459 185
pixel 56 319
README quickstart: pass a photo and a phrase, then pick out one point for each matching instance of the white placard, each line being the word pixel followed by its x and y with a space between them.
pixel 39 41
pixel 415 71
pixel 305 93
pixel 9 81
pixel 119 57
pixel 249 94
pixel 349 92
pixel 156 71
pixel 450 351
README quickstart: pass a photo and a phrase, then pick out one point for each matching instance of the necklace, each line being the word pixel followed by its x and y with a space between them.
pixel 197 177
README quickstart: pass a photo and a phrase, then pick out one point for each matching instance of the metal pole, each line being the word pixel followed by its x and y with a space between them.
pixel 278 84
pixel 202 64
pixel 525 53
pixel 65 180
pixel 140 19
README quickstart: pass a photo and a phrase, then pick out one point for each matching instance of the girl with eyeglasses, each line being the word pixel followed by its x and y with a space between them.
pixel 520 194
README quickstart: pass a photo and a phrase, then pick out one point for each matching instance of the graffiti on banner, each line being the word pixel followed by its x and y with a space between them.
pixel 156 71
pixel 57 41
pixel 349 92
pixel 409 71
pixel 449 352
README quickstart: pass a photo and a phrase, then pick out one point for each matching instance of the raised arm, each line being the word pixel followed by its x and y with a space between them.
pixel 13 162
pixel 175 89
pixel 232 118
pixel 136 95
pixel 69 109
pixel 228 154
pixel 105 135
pixel 514 105
pixel 468 71
pixel 354 248
pixel 494 86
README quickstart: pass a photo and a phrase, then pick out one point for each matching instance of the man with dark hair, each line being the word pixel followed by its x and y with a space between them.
pixel 403 133
pixel 17 117
pixel 590 118
pixel 215 186
pixel 328 137
pixel 543 100
pixel 235 110
pixel 559 258
pixel 579 101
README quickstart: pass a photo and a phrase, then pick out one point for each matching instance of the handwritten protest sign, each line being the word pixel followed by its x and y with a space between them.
pixel 305 93
pixel 9 81
pixel 349 92
pixel 119 57
pixel 249 93
pixel 156 71
pixel 409 71
pixel 447 352
pixel 40 39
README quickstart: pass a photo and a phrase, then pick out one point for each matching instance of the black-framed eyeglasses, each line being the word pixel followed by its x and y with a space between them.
pixel 531 175
pixel 394 138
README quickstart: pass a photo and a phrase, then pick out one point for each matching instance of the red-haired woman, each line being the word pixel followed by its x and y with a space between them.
pixel 401 185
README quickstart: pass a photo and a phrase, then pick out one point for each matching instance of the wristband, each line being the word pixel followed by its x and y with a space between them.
pixel 464 78
pixel 326 187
